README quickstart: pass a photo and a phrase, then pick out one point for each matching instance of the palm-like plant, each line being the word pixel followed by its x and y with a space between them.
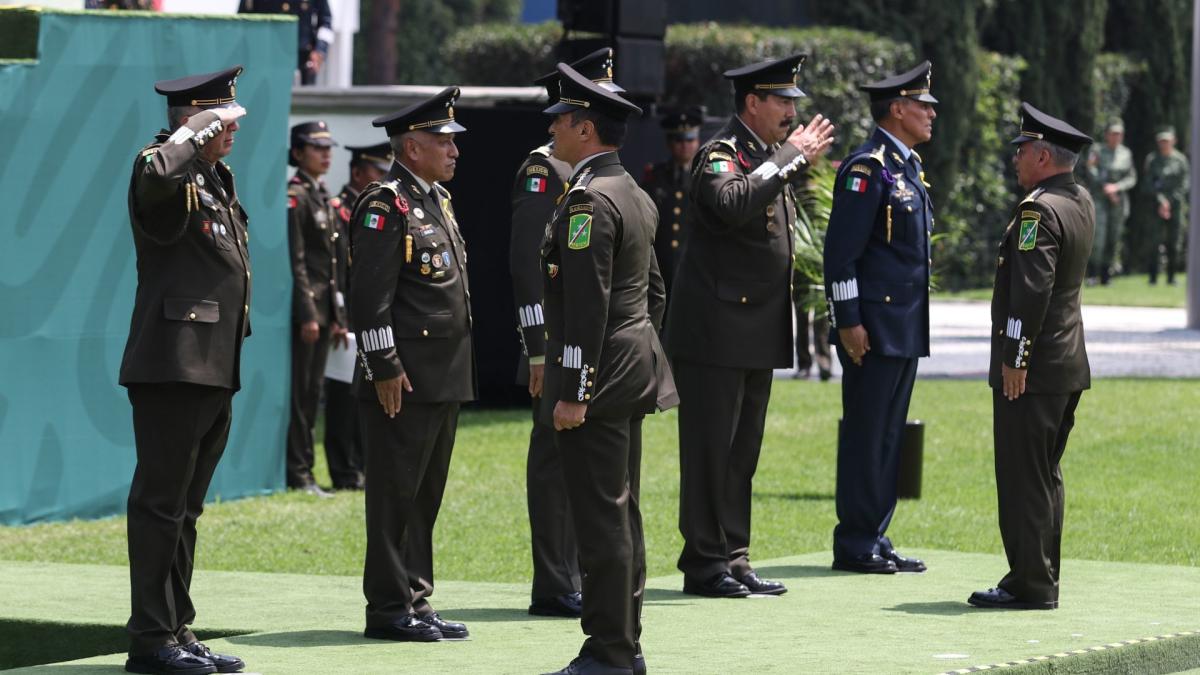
pixel 814 201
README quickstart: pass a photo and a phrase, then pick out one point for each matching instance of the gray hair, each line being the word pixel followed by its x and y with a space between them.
pixel 1060 156
pixel 176 113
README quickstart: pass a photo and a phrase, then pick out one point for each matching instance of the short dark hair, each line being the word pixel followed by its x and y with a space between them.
pixel 739 97
pixel 880 110
pixel 610 130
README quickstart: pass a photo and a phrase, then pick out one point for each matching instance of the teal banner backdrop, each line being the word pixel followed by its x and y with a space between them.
pixel 71 121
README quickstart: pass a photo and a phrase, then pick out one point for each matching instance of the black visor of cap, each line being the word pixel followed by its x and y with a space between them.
pixel 577 92
pixel 1039 126
pixel 208 90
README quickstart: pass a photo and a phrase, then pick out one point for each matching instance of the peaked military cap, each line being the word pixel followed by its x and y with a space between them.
pixel 576 92
pixel 210 90
pixel 777 76
pixel 379 155
pixel 312 133
pixel 597 67
pixel 1038 126
pixel 914 84
pixel 683 123
pixel 435 115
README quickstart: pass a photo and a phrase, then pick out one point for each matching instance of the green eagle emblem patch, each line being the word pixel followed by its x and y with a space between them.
pixel 1027 235
pixel 579 231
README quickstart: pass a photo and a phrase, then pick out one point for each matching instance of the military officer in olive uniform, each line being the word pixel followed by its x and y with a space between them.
pixel 729 322
pixel 316 30
pixel 540 181
pixel 1166 177
pixel 181 362
pixel 877 252
pixel 669 184
pixel 1039 364
pixel 603 302
pixel 318 305
pixel 412 317
pixel 343 434
pixel 1111 175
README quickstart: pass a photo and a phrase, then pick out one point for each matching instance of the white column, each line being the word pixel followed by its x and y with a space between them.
pixel 1193 256
pixel 339 67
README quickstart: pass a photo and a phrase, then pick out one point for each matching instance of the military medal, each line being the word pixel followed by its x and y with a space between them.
pixel 402 204
pixel 200 180
pixel 419 213
pixel 446 258
pixel 425 256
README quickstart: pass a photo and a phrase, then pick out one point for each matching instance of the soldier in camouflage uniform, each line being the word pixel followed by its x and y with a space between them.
pixel 1166 177
pixel 1111 174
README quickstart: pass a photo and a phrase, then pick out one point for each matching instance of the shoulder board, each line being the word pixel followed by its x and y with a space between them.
pixel 581 183
pixel 730 143
pixel 716 154
pixel 150 151
pixel 914 154
pixel 877 154
pixel 544 151
pixel 1033 196
pixel 390 185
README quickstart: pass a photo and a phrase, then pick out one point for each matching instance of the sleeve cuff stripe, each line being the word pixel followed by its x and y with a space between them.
pixel 530 315
pixel 1014 328
pixel 844 290
pixel 572 357
pixel 378 339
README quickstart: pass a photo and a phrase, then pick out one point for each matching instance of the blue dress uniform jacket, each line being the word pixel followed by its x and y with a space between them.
pixel 731 304
pixel 877 249
pixel 316 21
pixel 193 294
pixel 408 286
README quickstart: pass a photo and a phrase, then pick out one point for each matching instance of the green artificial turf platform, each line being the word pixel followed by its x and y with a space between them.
pixel 829 622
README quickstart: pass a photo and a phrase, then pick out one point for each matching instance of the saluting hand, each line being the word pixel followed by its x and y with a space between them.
pixel 389 393
pixel 856 342
pixel 227 115
pixel 813 139
pixel 568 415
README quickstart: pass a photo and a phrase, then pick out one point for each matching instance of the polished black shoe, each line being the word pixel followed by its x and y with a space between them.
pixel 903 564
pixel 408 629
pixel 718 586
pixel 639 665
pixel 567 605
pixel 224 663
pixel 450 630
pixel 171 659
pixel 866 564
pixel 759 586
pixel 587 665
pixel 998 598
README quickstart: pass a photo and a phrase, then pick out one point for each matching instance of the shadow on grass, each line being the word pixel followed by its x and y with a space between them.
pixel 302 638
pixel 30 643
pixel 796 496
pixel 940 608
pixel 796 571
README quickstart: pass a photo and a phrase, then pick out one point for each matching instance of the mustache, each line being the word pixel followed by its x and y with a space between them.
pixel 787 123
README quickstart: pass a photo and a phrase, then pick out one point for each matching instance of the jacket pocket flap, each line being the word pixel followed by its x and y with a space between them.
pixel 425 326
pixel 886 291
pixel 186 309
pixel 743 291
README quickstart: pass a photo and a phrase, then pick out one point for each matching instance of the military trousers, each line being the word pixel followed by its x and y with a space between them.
pixel 308 373
pixel 601 465
pixel 408 459
pixel 1106 244
pixel 1164 241
pixel 343 435
pixel 722 413
pixel 875 398
pixel 180 432
pixel 1030 437
pixel 555 553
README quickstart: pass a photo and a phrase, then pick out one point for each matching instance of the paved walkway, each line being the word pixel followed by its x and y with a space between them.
pixel 1121 342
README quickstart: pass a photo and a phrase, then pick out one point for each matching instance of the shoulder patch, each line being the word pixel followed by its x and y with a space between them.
pixel 717 155
pixel 581 208
pixel 721 165
pixel 579 231
pixel 149 151
pixel 381 205
pixel 537 170
pixel 861 168
pixel 1027 237
pixel 877 154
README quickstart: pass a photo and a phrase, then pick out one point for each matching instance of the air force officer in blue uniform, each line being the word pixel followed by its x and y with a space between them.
pixel 877 258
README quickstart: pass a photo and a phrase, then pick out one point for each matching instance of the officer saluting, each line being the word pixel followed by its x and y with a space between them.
pixel 182 358
pixel 877 286
pixel 318 305
pixel 603 300
pixel 669 184
pixel 412 317
pixel 1039 365
pixel 730 318
pixel 540 181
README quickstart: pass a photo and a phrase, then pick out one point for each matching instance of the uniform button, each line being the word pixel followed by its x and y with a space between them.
pixel 587 397
pixel 909 208
pixel 1000 332
pixel 678 210
pixel 589 383
pixel 321 226
pixel 675 227
pixel 425 332
pixel 336 235
pixel 247 274
pixel 191 316
pixel 770 210
pixel 887 298
pixel 678 194
pixel 931 261
pixel 743 299
pixel 246 309
pixel 334 261
pixel 559 358
pixel 312 294
pixel 674 243
pixel 592 369
pixel 1024 364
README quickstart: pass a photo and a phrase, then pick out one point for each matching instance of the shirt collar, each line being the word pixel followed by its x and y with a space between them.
pixel 425 187
pixel 905 151
pixel 753 135
pixel 575 169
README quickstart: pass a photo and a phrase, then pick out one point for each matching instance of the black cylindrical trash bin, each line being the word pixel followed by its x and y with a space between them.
pixel 912 456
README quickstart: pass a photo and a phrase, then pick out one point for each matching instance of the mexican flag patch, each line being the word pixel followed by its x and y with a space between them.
pixel 579 231
pixel 856 184
pixel 1027 235
pixel 535 184
pixel 373 221
pixel 721 167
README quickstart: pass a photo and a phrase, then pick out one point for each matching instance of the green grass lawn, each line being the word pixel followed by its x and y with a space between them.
pixel 1131 471
pixel 1125 291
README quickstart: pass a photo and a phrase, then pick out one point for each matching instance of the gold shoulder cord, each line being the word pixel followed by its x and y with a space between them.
pixel 408 247
pixel 889 223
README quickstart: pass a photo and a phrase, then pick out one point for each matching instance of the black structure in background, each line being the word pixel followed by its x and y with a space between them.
pixel 759 12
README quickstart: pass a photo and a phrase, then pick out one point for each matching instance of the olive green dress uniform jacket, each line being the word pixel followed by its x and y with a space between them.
pixel 343 207
pixel 670 186
pixel 312 241
pixel 409 295
pixel 191 311
pixel 540 182
pixel 603 347
pixel 731 300
pixel 1036 320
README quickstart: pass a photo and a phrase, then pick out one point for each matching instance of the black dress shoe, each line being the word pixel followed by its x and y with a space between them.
pixel 450 630
pixel 407 629
pixel 718 586
pixel 585 664
pixel 224 664
pixel 568 605
pixel 762 586
pixel 639 665
pixel 171 659
pixel 868 563
pixel 904 564
pixel 998 598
